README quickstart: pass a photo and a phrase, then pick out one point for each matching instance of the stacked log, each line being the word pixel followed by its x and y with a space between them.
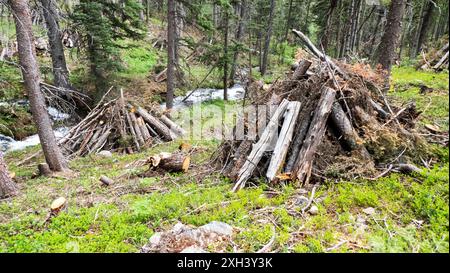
pixel 323 108
pixel 119 126
pixel 438 61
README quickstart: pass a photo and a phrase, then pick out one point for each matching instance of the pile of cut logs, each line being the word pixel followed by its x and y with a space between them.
pixel 327 115
pixel 121 127
pixel 439 60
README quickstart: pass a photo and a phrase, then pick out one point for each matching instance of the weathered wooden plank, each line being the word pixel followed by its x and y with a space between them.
pixel 284 140
pixel 260 147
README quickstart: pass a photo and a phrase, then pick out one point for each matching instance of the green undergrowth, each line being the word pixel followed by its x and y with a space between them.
pixel 139 59
pixel 410 212
pixel 434 104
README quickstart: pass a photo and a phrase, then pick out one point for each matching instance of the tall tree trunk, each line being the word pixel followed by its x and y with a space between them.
pixel 31 77
pixel 215 15
pixel 7 187
pixel 390 38
pixel 375 32
pixel 306 22
pixel 179 26
pixel 225 56
pixel 260 48
pixel 326 32
pixel 238 37
pixel 265 59
pixel 171 28
pixel 416 33
pixel 426 22
pixel 142 11
pixel 60 71
pixel 349 28
pixel 288 20
pixel 338 33
pixel 409 17
pixel 357 16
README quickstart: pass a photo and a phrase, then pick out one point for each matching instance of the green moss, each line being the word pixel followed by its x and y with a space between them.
pixel 407 76
pixel 139 59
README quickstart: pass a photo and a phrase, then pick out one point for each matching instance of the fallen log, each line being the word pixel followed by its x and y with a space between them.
pixel 162 76
pixel 137 129
pixel 106 180
pixel 101 141
pixel 302 130
pixel 343 128
pixel 381 112
pixel 301 70
pixel 156 124
pixel 441 61
pixel 260 147
pixel 173 126
pixel 284 140
pixel 319 53
pixel 144 131
pixel 240 155
pixel 177 162
pixel 407 168
pixel 303 166
pixel 132 131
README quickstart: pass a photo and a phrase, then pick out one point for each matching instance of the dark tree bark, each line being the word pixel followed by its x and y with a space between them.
pixel 225 57
pixel 60 71
pixel 409 18
pixel 349 29
pixel 171 29
pixel 7 187
pixel 426 22
pixel 327 30
pixel 31 77
pixel 356 15
pixel 375 32
pixel 238 37
pixel 392 31
pixel 288 20
pixel 265 58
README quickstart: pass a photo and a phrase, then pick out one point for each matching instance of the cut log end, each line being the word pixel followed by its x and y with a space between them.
pixel 185 147
pixel 44 169
pixel 170 162
pixel 106 181
pixel 58 204
pixel 186 164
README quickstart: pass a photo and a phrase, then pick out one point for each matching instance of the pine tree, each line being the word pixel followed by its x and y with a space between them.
pixel 102 24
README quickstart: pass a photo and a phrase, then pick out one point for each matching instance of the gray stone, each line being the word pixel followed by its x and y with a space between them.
pixel 314 210
pixel 105 154
pixel 156 238
pixel 369 211
pixel 301 201
pixel 218 227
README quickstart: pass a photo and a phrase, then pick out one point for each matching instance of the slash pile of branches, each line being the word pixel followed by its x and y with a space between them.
pixel 119 126
pixel 330 120
pixel 438 60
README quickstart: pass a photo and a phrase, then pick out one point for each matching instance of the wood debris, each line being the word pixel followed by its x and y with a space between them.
pixel 331 121
pixel 119 126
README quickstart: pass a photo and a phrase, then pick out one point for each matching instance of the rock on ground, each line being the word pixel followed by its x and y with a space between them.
pixel 184 239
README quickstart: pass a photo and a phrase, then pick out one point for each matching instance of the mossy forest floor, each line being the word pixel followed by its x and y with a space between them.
pixel 411 213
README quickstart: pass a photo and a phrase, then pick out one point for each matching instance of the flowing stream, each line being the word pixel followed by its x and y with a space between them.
pixel 237 92
pixel 7 144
